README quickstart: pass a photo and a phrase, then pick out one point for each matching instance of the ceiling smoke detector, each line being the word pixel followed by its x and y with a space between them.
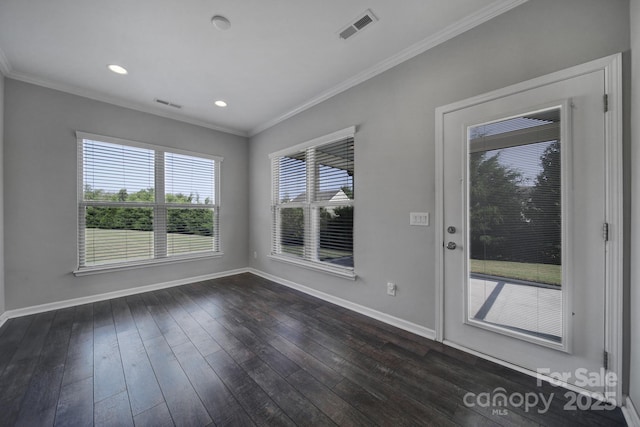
pixel 360 23
pixel 221 23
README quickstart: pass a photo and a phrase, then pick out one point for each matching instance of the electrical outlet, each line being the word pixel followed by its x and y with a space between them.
pixel 255 255
pixel 391 289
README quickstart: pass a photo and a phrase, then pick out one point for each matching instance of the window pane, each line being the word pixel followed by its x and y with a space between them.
pixel 189 180
pixel 292 231
pixel 117 173
pixel 189 230
pixel 335 171
pixel 313 196
pixel 336 235
pixel 515 224
pixel 292 178
pixel 117 234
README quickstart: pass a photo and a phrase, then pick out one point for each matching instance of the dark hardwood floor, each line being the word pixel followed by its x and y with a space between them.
pixel 245 351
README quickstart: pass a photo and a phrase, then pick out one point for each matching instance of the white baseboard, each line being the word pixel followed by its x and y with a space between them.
pixel 374 314
pixel 10 314
pixel 534 374
pixel 630 413
pixel 3 318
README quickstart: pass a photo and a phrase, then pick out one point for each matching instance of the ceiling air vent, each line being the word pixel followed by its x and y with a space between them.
pixel 360 23
pixel 167 103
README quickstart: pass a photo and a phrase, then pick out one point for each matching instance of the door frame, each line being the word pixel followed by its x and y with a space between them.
pixel 614 212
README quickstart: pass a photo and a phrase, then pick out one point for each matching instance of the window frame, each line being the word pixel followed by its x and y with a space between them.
pixel 159 205
pixel 310 206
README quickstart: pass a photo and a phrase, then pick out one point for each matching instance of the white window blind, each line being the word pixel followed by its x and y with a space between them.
pixel 138 203
pixel 313 198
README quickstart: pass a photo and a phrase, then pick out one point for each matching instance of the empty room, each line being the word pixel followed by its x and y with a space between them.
pixel 369 213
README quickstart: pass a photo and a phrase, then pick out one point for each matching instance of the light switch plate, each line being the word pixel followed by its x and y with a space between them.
pixel 419 218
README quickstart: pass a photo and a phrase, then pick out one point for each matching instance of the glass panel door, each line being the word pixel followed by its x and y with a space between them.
pixel 515 225
pixel 523 202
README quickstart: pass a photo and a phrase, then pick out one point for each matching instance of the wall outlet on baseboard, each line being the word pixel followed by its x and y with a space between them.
pixel 255 255
pixel 391 289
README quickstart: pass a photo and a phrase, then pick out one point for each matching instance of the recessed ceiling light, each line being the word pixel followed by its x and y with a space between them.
pixel 221 103
pixel 117 69
pixel 221 23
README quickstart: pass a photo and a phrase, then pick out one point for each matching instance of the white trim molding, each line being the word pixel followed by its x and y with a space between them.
pixel 369 312
pixel 630 413
pixel 111 268
pixel 612 66
pixel 10 314
pixel 374 314
pixel 483 15
pixel 614 215
pixel 338 135
pixel 80 135
pixel 3 318
pixel 345 273
pixel 534 374
pixel 97 96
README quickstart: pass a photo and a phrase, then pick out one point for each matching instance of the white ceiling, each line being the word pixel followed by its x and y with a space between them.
pixel 278 58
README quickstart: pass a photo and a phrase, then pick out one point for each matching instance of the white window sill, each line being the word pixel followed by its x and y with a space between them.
pixel 108 268
pixel 344 272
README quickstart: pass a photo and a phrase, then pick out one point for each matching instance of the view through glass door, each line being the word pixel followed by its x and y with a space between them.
pixel 515 224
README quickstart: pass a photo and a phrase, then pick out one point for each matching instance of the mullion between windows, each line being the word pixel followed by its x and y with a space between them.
pixel 276 246
pixel 81 209
pixel 160 209
pixel 312 223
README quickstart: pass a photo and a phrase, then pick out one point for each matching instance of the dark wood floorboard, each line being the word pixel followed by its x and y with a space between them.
pixel 17 375
pixel 243 351
pixel 41 398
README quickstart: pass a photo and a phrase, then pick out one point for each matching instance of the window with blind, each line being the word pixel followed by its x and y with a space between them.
pixel 313 203
pixel 139 203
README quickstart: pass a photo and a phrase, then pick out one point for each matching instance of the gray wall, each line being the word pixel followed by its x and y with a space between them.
pixel 1 194
pixel 395 149
pixel 395 164
pixel 40 190
pixel 634 380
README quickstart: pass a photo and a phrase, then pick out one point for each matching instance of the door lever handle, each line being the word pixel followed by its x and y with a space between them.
pixel 451 246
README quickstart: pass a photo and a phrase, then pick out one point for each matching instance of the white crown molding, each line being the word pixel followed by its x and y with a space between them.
pixel 10 314
pixel 630 413
pixel 483 15
pixel 369 312
pixel 494 9
pixel 88 93
pixel 5 67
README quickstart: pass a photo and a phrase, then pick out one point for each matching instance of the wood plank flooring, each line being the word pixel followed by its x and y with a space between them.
pixel 244 351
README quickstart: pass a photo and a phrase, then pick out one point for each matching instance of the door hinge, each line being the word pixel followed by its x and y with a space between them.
pixel 605 100
pixel 605 359
pixel 605 231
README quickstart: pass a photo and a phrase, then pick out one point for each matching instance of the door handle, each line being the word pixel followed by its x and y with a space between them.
pixel 451 246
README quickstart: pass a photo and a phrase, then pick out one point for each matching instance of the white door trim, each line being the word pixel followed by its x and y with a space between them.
pixel 612 66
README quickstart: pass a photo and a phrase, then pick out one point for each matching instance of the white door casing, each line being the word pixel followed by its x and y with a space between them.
pixel 588 171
